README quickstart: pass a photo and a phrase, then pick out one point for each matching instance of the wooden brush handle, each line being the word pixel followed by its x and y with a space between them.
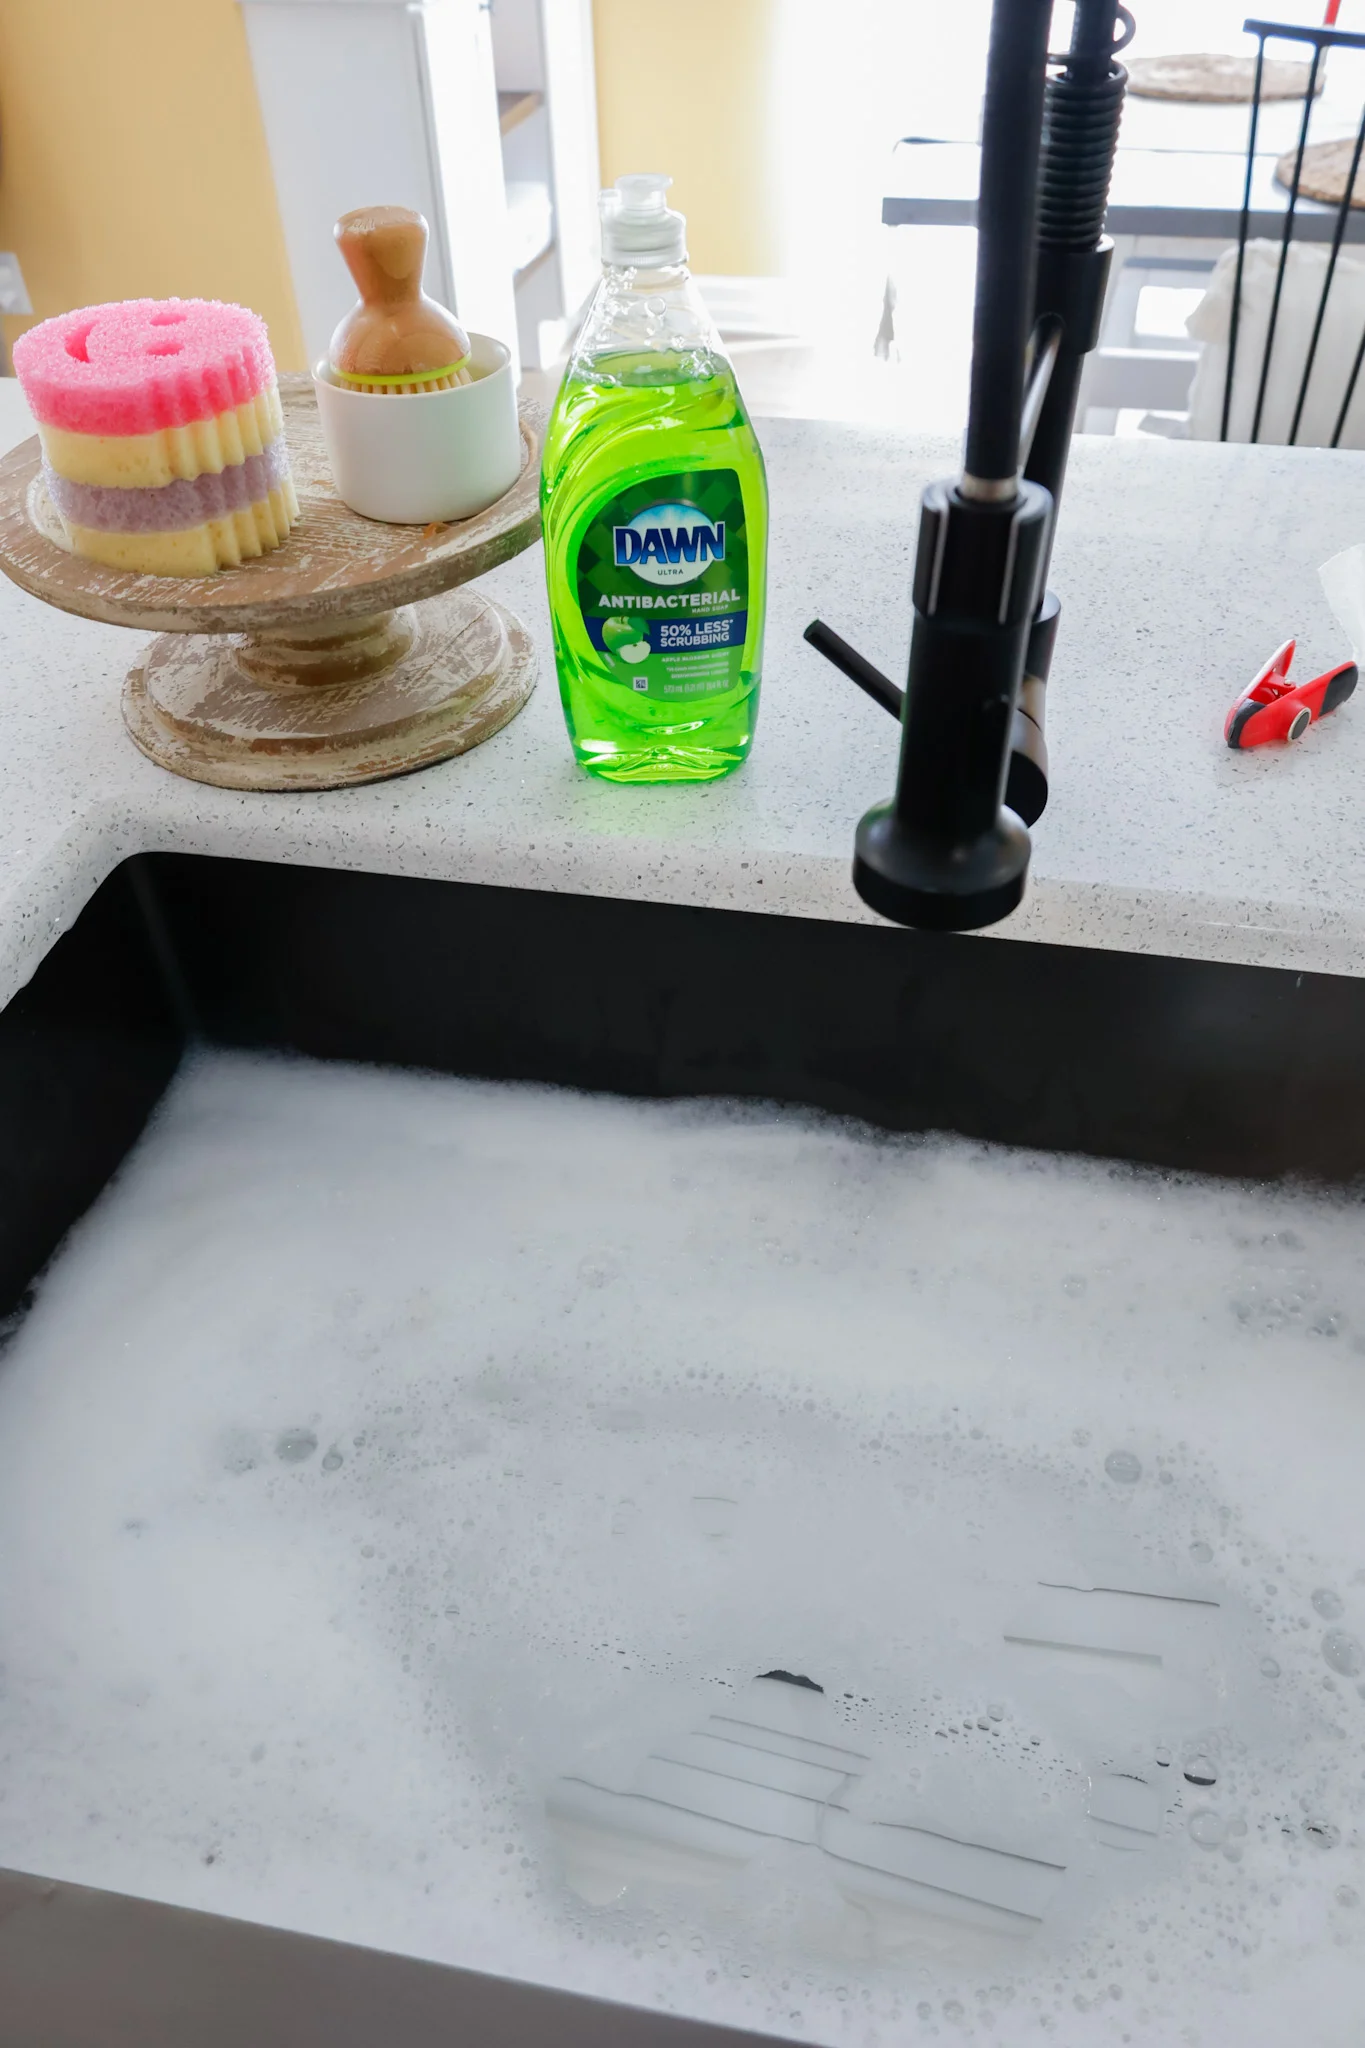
pixel 384 248
pixel 396 330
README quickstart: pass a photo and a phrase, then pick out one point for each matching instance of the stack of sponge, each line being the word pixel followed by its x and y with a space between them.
pixel 162 434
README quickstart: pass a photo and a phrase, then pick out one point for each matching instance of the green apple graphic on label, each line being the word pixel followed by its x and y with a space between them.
pixel 627 638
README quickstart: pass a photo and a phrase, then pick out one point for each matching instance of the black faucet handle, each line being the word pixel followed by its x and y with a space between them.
pixel 855 666
pixel 1026 786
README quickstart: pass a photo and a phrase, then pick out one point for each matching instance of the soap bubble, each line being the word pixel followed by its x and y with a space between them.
pixel 1207 1828
pixel 292 1446
pixel 1343 1652
pixel 1124 1467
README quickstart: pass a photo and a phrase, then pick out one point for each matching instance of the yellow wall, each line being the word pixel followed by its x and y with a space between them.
pixel 688 92
pixel 133 161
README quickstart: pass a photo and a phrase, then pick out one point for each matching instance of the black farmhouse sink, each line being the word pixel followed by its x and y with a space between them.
pixel 1170 1063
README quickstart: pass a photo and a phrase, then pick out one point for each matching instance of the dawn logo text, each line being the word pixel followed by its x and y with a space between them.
pixel 669 544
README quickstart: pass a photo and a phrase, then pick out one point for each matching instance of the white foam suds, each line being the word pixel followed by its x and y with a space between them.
pixel 409 1489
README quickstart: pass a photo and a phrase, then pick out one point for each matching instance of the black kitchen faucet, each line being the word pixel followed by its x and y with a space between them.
pixel 950 851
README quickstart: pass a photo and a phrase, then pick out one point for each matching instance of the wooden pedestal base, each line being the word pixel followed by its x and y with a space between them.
pixel 322 708
pixel 354 651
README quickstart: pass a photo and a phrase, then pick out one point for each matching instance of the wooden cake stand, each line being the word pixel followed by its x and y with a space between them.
pixel 352 652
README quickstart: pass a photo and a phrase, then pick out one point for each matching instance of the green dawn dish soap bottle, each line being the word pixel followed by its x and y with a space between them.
pixel 655 507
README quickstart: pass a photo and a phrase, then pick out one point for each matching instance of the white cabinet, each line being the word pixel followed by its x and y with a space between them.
pixel 481 116
pixel 543 58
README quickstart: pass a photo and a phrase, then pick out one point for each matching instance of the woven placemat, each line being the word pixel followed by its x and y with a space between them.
pixel 1217 78
pixel 1326 166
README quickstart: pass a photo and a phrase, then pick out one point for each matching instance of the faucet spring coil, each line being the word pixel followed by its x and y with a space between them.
pixel 1080 134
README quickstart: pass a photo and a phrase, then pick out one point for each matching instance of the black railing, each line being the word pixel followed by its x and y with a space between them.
pixel 1319 40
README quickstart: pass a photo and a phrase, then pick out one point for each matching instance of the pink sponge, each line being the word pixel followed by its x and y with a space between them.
pixel 142 365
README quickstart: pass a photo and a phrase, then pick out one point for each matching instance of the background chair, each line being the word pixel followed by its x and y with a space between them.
pixel 1283 322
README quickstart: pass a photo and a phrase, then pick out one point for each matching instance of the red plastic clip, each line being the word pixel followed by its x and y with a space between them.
pixel 1273 708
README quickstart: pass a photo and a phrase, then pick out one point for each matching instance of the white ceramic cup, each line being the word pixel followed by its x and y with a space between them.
pixel 416 456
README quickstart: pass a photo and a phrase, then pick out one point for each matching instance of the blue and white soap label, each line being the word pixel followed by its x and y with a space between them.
pixel 663 584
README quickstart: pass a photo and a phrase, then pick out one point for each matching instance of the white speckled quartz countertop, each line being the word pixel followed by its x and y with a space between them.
pixel 1180 568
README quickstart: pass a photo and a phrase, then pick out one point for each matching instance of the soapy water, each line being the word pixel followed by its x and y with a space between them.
pixel 862 1589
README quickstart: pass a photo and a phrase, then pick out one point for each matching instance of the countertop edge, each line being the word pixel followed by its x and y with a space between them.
pixel 50 894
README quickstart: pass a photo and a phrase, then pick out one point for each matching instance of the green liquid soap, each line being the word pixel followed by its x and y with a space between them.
pixel 655 507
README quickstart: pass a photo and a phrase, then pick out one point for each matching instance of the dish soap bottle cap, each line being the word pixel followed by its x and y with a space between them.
pixel 639 230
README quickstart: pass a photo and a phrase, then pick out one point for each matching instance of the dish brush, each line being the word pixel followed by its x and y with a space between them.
pixel 395 340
